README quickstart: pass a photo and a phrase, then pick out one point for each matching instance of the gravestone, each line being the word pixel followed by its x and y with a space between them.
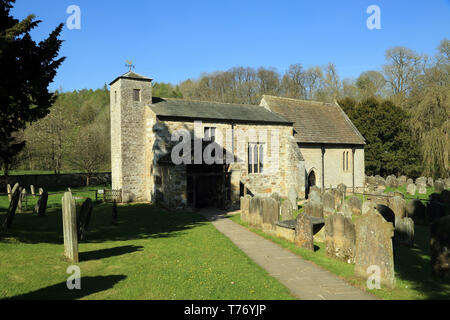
pixel 70 227
pixel 391 181
pixel 340 237
pixel 409 181
pixel 398 206
pixel 401 181
pixel 380 180
pixel 313 209
pixel 328 203
pixel 345 209
pixel 84 218
pixel 342 188
pixel 270 213
pixel 386 213
pixel 430 182
pixel 114 215
pixel 245 205
pixel 434 211
pixel 438 186
pixel 41 204
pixel 421 181
pixel 304 236
pixel 355 205
pixel 22 199
pixel 286 212
pixel 404 232
pixel 440 247
pixel 374 247
pixel 422 189
pixel 32 191
pixel 315 196
pixel 338 197
pixel 415 209
pixel 276 197
pixel 8 190
pixel 12 206
pixel 411 189
pixel 41 191
pixel 255 212
pixel 398 194
pixel 292 196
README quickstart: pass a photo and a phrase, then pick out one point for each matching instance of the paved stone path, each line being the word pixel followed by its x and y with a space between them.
pixel 305 280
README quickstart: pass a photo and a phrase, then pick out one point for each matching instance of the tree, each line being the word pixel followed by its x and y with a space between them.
pixel 391 149
pixel 370 84
pixel 27 69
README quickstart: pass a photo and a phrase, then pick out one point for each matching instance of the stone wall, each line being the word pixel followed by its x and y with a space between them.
pixel 54 181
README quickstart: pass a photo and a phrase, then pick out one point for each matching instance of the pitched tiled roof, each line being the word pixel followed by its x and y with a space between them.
pixel 202 110
pixel 315 122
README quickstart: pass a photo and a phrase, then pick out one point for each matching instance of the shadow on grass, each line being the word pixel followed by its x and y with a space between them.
pixel 89 285
pixel 107 253
pixel 135 221
pixel 413 264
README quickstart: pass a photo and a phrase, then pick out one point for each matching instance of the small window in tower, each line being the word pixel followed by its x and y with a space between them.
pixel 136 95
pixel 115 97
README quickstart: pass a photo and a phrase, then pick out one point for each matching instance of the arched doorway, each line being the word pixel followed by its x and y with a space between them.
pixel 311 181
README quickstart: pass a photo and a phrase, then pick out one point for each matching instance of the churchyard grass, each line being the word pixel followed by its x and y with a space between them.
pixel 414 280
pixel 149 254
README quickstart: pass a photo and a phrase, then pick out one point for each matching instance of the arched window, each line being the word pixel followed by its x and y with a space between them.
pixel 255 157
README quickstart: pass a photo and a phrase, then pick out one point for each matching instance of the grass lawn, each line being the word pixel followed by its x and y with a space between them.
pixel 412 265
pixel 150 254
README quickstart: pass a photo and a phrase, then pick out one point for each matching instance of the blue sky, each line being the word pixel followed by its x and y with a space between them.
pixel 171 41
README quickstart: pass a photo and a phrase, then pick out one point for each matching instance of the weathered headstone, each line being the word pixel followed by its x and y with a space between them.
pixel 328 203
pixel 398 206
pixel 434 211
pixel 404 232
pixel 368 205
pixel 355 205
pixel 338 197
pixel 440 247
pixel 415 209
pixel 391 181
pixel 421 181
pixel 422 189
pixel 270 214
pixel 84 219
pixel 438 186
pixel 286 212
pixel 70 227
pixel 41 204
pixel 374 247
pixel 315 196
pixel 276 197
pixel 313 209
pixel 245 205
pixel 255 212
pixel 293 196
pixel 430 182
pixel 342 188
pixel 12 206
pixel 411 189
pixel 340 237
pixel 409 181
pixel 41 191
pixel 32 191
pixel 304 236
pixel 401 180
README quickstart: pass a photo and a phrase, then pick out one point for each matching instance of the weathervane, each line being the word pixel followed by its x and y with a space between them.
pixel 129 65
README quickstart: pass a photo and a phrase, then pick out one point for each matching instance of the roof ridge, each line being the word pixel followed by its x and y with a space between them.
pixel 207 101
pixel 300 100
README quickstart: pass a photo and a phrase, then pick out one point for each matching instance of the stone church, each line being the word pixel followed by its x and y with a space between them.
pixel 280 145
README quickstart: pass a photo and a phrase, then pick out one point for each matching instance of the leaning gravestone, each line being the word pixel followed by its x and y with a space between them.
pixel 304 235
pixel 374 247
pixel 41 204
pixel 292 196
pixel 404 232
pixel 415 209
pixel 340 237
pixel 22 199
pixel 328 203
pixel 32 191
pixel 84 219
pixel 411 189
pixel 70 227
pixel 313 209
pixel 440 247
pixel 270 213
pixel 286 212
pixel 434 211
pixel 12 206
pixel 355 205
